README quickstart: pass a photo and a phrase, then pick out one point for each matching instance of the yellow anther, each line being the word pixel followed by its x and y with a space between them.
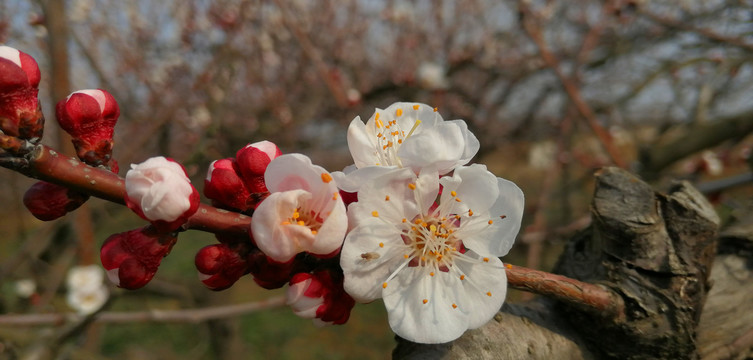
pixel 412 186
pixel 415 107
pixel 405 220
pixel 508 266
pixel 486 259
pixel 375 213
pixel 425 301
pixel 470 212
pixel 436 109
pixel 454 306
pixel 453 193
pixel 381 245
pixel 462 277
pixel 326 177
pixel 379 123
pixel 488 294
pixel 376 117
pixel 300 222
pixel 491 222
pixel 296 215
pixel 406 256
pixel 387 198
pixel 313 232
pixel 431 273
pixel 502 216
pixel 285 223
pixel 384 285
pixel 335 196
pixel 399 141
pixel 399 112
pixel 458 199
pixel 433 228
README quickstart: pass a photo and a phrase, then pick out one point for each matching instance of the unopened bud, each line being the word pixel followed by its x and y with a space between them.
pixel 320 297
pixel 225 187
pixel 219 266
pixel 159 191
pixel 89 116
pixel 132 258
pixel 20 115
pixel 48 201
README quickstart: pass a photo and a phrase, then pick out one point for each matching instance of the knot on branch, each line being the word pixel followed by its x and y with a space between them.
pixel 656 251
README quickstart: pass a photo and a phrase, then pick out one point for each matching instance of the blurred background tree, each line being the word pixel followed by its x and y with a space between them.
pixel 552 89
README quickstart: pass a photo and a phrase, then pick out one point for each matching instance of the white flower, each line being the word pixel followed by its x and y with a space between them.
pixel 432 76
pixel 25 288
pixel 86 292
pixel 435 263
pixel 405 135
pixel 160 189
pixel 84 278
pixel 304 211
pixel 87 301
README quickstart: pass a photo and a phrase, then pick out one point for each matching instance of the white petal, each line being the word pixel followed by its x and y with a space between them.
pixel 364 276
pixel 374 195
pixel 332 232
pixel 472 144
pixel 280 242
pixel 497 239
pixel 427 188
pixel 353 180
pixel 431 322
pixel 440 146
pixel 295 171
pixel 482 279
pixel 474 186
pixel 361 142
pixel 11 54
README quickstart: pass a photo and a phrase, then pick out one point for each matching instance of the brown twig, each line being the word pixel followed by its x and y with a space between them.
pixel 535 33
pixel 686 26
pixel 587 297
pixel 175 316
pixel 46 164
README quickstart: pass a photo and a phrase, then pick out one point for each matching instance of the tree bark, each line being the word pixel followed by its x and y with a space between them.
pixel 655 250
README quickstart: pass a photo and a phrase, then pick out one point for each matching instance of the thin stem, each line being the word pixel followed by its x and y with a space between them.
pixel 175 316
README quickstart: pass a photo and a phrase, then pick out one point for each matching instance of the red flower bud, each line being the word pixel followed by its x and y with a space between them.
pixel 220 266
pixel 225 187
pixel 132 258
pixel 320 296
pixel 47 201
pixel 268 273
pixel 20 115
pixel 252 162
pixel 89 116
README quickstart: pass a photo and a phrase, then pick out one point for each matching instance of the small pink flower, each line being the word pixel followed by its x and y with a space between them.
pixel 219 266
pixel 320 297
pixel 133 257
pixel 89 116
pixel 20 115
pixel 47 201
pixel 303 213
pixel 225 187
pixel 159 190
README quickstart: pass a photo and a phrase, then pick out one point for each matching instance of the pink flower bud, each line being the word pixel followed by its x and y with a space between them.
pixel 159 190
pixel 47 201
pixel 225 187
pixel 220 266
pixel 133 257
pixel 20 115
pixel 89 116
pixel 320 296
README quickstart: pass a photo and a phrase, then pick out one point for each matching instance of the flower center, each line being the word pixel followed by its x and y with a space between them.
pixel 431 242
pixel 390 137
pixel 309 219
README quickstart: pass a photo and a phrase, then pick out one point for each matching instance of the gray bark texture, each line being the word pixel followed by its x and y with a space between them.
pixel 688 290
